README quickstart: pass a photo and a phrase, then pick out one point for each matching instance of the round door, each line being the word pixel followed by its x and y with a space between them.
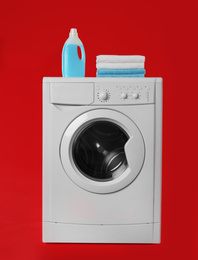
pixel 102 151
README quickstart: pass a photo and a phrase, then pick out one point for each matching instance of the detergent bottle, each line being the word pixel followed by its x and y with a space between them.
pixel 72 64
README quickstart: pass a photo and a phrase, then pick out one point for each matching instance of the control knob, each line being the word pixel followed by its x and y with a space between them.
pixel 135 95
pixel 124 95
pixel 103 95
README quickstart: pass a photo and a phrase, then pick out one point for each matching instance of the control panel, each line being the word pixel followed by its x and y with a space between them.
pixel 123 93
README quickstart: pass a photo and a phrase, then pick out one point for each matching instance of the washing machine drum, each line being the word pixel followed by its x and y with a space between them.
pixel 98 151
pixel 102 151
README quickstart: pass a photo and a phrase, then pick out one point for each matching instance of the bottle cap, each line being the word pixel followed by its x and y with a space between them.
pixel 73 32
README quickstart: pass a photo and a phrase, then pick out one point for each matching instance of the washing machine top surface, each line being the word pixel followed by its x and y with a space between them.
pixel 102 91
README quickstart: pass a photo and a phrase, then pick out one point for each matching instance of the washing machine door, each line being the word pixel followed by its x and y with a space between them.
pixel 102 151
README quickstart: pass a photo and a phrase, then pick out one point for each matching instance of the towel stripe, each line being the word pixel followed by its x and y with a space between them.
pixel 120 71
pixel 111 65
pixel 122 76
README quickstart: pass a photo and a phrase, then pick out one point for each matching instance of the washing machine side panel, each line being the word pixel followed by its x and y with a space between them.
pixel 158 150
pixel 72 204
pixel 46 150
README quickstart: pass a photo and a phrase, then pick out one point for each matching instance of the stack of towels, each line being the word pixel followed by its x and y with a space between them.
pixel 120 66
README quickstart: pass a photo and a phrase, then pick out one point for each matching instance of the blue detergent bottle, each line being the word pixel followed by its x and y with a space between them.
pixel 72 64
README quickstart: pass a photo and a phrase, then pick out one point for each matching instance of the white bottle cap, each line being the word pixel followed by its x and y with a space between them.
pixel 73 32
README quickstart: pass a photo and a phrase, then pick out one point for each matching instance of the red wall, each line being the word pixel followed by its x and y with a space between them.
pixel 31 38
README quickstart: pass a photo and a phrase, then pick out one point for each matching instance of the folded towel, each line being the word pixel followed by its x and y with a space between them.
pixel 120 58
pixel 120 71
pixel 135 65
pixel 122 76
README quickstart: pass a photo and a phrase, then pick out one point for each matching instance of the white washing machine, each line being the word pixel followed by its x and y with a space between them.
pixel 102 160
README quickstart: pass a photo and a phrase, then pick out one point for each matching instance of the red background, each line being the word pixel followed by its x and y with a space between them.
pixel 32 35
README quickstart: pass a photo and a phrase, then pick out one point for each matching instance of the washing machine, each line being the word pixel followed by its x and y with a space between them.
pixel 102 148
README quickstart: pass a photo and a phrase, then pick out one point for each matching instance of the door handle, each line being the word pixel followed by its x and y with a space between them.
pixel 135 153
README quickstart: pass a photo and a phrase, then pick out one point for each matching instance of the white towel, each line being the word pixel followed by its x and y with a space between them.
pixel 110 65
pixel 120 58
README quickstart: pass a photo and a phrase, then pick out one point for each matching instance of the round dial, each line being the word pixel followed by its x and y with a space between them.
pixel 103 95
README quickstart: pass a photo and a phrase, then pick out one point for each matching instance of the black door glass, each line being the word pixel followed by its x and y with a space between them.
pixel 98 151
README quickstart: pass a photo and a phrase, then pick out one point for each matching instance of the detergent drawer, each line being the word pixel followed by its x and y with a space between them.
pixel 71 93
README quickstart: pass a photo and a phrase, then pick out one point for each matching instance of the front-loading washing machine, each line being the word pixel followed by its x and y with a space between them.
pixel 102 160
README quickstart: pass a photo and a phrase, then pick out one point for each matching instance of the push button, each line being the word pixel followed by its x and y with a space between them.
pixel 135 95
pixel 124 95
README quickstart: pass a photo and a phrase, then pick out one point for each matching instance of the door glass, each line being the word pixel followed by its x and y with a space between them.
pixel 98 151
